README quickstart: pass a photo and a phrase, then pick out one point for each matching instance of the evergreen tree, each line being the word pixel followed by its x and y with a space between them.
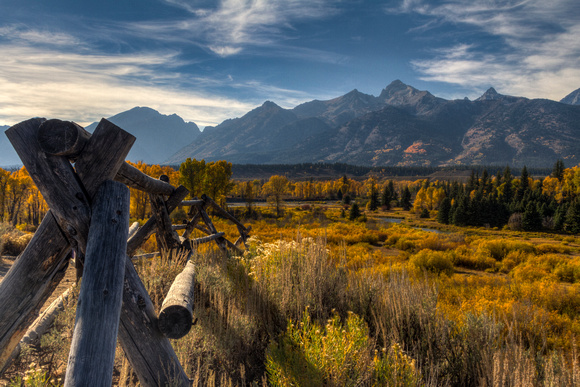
pixel 346 199
pixel 461 214
pixel 560 216
pixel 373 197
pixel 486 182
pixel 508 188
pixel 444 209
pixel 558 170
pixel 531 218
pixel 387 195
pixel 472 182
pixel 524 185
pixel 354 212
pixel 572 223
pixel 406 199
pixel 394 192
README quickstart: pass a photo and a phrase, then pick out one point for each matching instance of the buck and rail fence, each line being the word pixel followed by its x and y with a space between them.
pixel 83 178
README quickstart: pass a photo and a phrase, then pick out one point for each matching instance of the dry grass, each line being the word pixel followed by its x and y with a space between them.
pixel 440 328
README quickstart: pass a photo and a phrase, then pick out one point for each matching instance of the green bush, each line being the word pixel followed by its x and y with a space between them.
pixel 340 354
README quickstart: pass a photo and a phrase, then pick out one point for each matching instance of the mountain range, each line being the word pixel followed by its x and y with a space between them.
pixel 158 136
pixel 403 126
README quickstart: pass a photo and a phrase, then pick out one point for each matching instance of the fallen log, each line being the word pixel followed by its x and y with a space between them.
pixel 176 315
pixel 92 351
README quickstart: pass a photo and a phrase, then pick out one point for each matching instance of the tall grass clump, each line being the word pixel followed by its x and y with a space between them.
pixel 12 240
pixel 338 354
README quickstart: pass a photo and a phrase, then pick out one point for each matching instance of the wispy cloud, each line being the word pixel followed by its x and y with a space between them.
pixel 82 87
pixel 232 25
pixel 539 45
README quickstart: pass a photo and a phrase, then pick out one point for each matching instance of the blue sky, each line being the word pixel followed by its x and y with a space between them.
pixel 212 60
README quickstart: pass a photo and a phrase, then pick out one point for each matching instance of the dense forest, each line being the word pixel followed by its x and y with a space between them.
pixel 499 200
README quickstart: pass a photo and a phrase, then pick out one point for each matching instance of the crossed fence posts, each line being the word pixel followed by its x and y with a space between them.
pixel 89 213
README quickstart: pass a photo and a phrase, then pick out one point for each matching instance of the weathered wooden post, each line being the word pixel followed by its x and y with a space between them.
pixel 92 353
pixel 167 239
pixel 176 315
pixel 42 264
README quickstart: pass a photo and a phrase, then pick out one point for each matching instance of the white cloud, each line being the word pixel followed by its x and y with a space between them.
pixel 540 41
pixel 84 88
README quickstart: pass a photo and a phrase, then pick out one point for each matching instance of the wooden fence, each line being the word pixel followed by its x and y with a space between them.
pixel 89 215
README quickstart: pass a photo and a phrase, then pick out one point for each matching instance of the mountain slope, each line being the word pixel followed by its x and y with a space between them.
pixel 158 135
pixel 573 98
pixel 402 126
pixel 250 138
pixel 339 110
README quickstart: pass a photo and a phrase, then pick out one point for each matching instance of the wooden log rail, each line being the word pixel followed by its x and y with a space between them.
pixel 112 297
pixel 92 351
pixel 42 264
pixel 167 238
pixel 176 315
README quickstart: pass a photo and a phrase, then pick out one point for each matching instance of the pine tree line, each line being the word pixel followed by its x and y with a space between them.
pixel 518 203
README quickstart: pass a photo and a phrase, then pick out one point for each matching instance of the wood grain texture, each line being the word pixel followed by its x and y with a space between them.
pixel 149 352
pixel 134 178
pixel 55 179
pixel 92 353
pixel 167 238
pixel 176 315
pixel 103 155
pixel 40 266
pixel 62 138
pixel 66 138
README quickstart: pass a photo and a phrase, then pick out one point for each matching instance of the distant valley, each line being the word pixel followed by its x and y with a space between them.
pixel 402 126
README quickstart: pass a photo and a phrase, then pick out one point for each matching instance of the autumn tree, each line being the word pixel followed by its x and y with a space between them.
pixel 4 178
pixel 275 189
pixel 249 196
pixel 217 180
pixel 191 176
pixel 18 185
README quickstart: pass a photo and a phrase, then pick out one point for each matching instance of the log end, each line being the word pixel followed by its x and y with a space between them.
pixel 61 138
pixel 175 321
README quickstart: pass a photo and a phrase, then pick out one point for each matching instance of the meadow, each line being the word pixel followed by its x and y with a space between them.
pixel 318 299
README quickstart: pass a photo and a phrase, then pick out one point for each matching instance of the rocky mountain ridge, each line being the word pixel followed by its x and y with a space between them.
pixel 403 126
pixel 158 136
